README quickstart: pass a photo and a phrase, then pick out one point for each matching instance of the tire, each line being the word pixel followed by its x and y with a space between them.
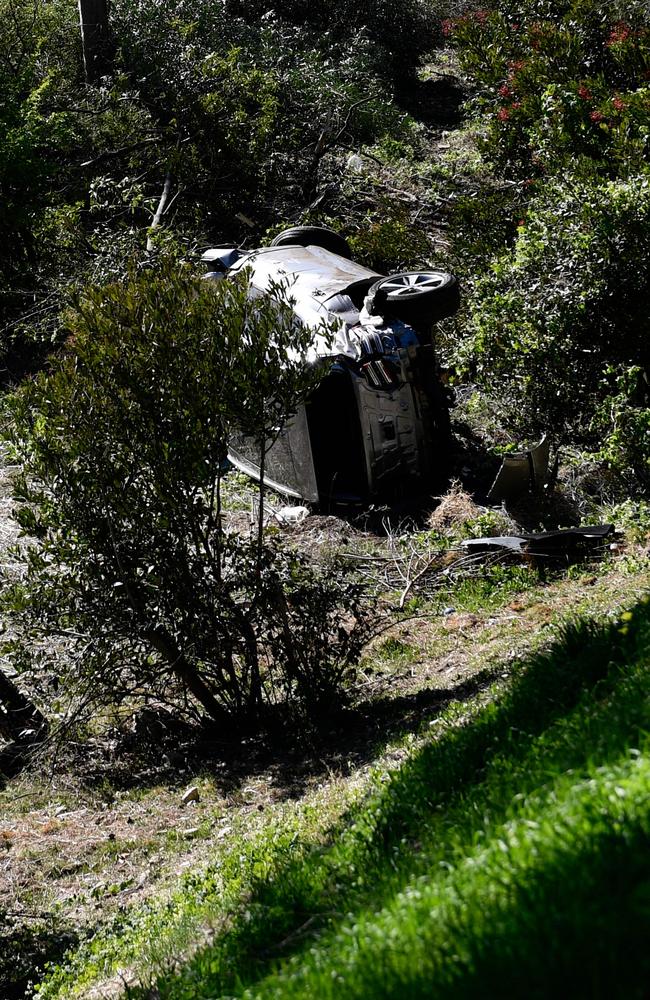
pixel 415 296
pixel 314 236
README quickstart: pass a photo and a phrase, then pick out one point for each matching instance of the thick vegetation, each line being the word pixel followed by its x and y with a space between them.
pixel 235 113
pixel 123 446
pixel 556 315
pixel 243 117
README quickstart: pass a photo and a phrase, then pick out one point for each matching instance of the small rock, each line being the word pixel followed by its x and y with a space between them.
pixel 292 515
pixel 191 795
pixel 449 611
pixel 355 163
pixel 60 810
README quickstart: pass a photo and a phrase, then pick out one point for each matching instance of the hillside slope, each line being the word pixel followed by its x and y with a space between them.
pixel 500 838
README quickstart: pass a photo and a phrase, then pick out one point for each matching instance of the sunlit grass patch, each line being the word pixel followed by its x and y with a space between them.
pixel 518 821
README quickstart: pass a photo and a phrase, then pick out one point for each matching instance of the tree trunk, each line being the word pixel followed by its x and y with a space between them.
pixel 165 645
pixel 93 21
pixel 160 211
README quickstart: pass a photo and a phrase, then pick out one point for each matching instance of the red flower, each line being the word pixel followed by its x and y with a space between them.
pixel 481 16
pixel 448 26
pixel 503 114
pixel 620 33
pixel 584 93
pixel 619 104
pixel 504 90
pixel 516 105
pixel 597 116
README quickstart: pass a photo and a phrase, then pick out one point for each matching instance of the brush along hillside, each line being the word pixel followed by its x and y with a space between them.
pixel 346 756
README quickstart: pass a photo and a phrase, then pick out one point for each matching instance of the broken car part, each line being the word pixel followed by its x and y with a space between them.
pixel 521 472
pixel 549 544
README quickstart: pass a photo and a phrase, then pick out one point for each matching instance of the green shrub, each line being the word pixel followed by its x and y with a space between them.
pixel 246 98
pixel 124 444
pixel 398 33
pixel 555 329
pixel 561 317
pixel 561 83
pixel 624 417
pixel 31 141
pixel 387 241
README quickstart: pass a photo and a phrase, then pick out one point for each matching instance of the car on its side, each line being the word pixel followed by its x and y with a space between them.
pixel 377 426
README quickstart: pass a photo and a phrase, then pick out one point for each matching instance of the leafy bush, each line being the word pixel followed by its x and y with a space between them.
pixel 31 142
pixel 247 100
pixel 560 321
pixel 387 241
pixel 555 330
pixel 624 417
pixel 398 33
pixel 561 84
pixel 237 113
pixel 124 445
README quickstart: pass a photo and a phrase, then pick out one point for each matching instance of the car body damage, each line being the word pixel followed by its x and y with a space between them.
pixel 377 425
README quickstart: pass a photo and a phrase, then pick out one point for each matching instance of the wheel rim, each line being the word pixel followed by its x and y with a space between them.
pixel 408 285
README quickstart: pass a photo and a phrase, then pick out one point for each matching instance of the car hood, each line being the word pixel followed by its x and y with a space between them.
pixel 313 276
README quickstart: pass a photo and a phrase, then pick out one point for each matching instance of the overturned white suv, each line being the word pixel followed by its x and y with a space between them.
pixel 377 427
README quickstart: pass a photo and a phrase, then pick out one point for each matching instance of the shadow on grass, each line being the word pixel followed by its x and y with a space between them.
pixel 436 102
pixel 565 709
pixel 26 947
pixel 343 742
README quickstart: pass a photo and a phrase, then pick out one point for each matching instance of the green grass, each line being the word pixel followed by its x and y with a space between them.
pixel 492 589
pixel 507 856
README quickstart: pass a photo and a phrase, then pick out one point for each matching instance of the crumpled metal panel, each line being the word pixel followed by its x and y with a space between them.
pixel 521 472
pixel 221 258
pixel 543 543
pixel 312 276
pixel 289 463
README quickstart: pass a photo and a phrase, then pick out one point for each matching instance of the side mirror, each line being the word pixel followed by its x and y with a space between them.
pixel 220 258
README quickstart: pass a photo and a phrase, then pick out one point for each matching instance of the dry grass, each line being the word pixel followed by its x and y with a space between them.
pixel 89 855
pixel 455 509
pixel 446 651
